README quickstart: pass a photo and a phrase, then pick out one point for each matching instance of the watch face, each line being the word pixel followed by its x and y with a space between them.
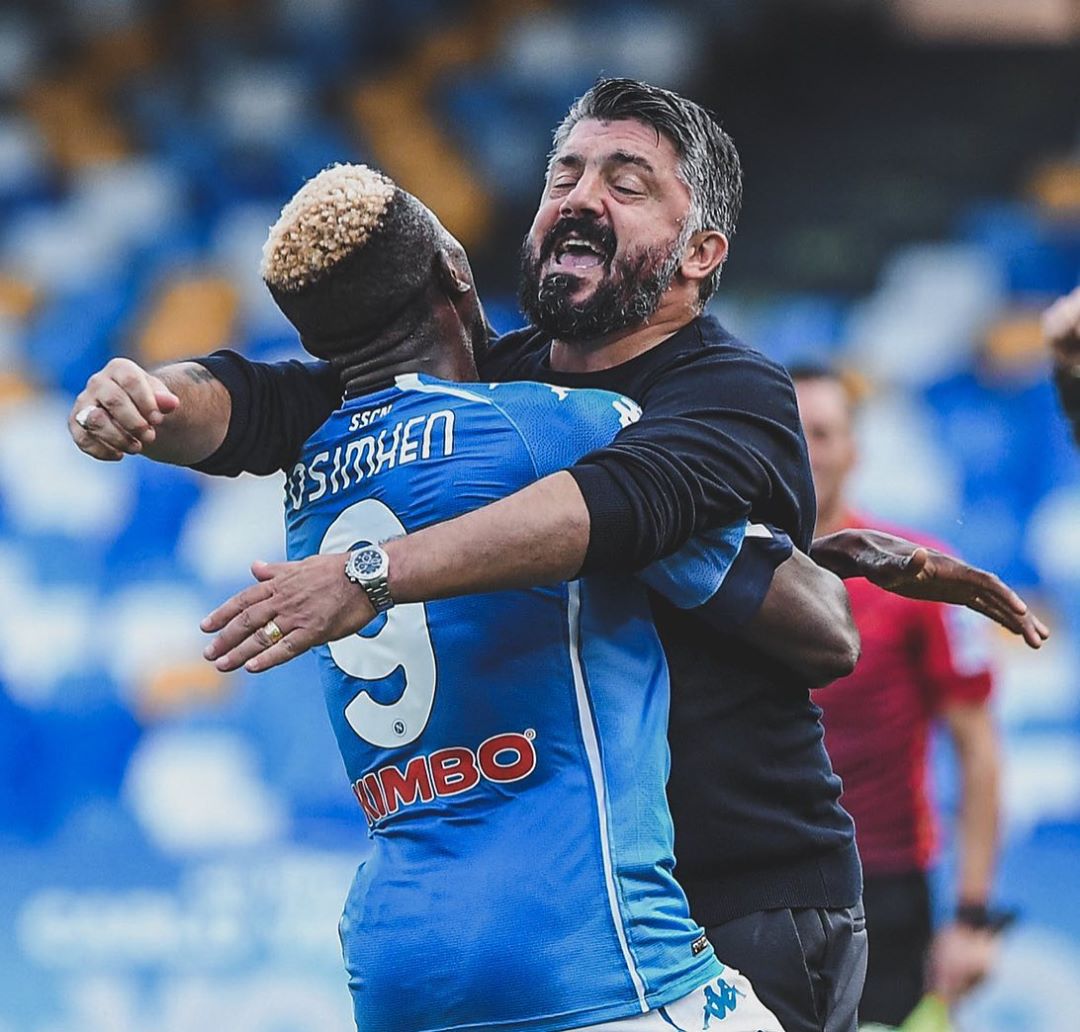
pixel 368 562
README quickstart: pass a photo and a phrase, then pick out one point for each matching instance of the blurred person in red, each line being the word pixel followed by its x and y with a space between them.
pixel 921 662
pixel 1061 327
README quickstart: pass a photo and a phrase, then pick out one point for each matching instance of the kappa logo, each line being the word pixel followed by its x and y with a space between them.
pixel 446 772
pixel 720 1001
pixel 629 411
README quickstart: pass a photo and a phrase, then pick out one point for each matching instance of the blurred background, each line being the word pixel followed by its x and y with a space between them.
pixel 175 845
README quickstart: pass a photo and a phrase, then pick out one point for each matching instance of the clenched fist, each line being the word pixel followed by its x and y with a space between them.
pixel 178 414
pixel 119 410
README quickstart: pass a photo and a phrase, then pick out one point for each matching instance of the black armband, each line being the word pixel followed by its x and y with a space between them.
pixel 983 918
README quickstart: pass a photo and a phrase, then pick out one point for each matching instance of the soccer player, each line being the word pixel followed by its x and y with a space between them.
pixel 1061 327
pixel 508 750
pixel 641 200
pixel 921 662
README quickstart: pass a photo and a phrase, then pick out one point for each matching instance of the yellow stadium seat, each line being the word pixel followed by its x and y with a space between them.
pixel 1056 186
pixel 1014 342
pixel 179 688
pixel 424 159
pixel 17 298
pixel 190 315
pixel 14 388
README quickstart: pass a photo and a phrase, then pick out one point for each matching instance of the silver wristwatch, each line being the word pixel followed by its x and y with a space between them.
pixel 370 567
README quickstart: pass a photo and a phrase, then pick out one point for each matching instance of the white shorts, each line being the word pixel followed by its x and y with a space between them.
pixel 726 1003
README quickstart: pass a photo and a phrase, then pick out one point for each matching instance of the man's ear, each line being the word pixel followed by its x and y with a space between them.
pixel 705 252
pixel 451 277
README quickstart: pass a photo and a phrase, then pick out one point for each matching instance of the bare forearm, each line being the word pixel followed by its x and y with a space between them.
pixel 198 426
pixel 841 553
pixel 805 622
pixel 179 414
pixel 537 536
pixel 977 827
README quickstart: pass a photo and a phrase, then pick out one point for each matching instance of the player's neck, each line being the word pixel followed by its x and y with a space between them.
pixel 365 372
pixel 366 378
pixel 607 352
pixel 437 344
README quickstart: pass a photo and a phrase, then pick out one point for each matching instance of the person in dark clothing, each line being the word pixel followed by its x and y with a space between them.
pixel 641 200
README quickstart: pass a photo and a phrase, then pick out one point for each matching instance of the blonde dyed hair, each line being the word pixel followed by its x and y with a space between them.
pixel 329 217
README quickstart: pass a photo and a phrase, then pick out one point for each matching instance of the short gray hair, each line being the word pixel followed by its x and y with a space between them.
pixel 708 161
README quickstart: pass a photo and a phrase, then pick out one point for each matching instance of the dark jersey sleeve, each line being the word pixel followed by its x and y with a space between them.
pixel 748 581
pixel 720 440
pixel 276 406
pixel 1068 385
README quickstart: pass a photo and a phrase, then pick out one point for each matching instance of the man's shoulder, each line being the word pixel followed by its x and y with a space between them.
pixel 544 408
pixel 718 344
pixel 527 405
pixel 705 342
pixel 704 356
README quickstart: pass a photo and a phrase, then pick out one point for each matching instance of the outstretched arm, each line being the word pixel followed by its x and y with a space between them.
pixel 539 536
pixel 536 536
pixel 221 414
pixel 915 571
pixel 178 414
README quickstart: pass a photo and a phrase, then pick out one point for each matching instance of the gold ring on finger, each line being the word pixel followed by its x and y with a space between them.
pixel 273 633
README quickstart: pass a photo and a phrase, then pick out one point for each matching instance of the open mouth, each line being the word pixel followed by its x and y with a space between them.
pixel 575 253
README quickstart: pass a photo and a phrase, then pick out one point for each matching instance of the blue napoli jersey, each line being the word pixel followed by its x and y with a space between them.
pixel 508 750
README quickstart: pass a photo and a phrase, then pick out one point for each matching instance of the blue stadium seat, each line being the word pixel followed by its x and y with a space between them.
pixel 75 334
pixel 799 328
pixel 145 547
pixel 26 174
pixel 1034 258
pixel 56 761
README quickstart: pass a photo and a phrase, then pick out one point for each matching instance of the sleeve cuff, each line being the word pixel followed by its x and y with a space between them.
pixel 225 368
pixel 748 581
pixel 611 533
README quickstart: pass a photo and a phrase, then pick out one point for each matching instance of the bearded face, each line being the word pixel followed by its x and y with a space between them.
pixel 579 250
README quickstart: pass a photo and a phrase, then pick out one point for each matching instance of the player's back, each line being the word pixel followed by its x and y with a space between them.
pixel 508 750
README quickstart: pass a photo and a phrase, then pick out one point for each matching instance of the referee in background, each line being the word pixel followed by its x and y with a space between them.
pixel 921 663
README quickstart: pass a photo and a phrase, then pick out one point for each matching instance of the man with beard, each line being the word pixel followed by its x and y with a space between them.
pixel 641 199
